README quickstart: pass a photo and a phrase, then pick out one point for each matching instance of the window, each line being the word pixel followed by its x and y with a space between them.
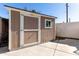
pixel 48 23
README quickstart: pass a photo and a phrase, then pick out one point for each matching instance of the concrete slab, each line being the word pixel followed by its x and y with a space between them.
pixel 69 46
pixel 32 51
pixel 66 48
pixel 59 53
pixel 50 45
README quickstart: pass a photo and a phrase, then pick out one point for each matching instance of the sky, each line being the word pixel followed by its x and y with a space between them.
pixel 53 9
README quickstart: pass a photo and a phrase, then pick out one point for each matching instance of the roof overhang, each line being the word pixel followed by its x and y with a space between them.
pixel 22 10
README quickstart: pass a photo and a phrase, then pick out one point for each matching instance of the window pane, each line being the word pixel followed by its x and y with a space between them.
pixel 48 23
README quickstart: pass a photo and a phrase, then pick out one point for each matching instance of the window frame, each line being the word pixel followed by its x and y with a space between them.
pixel 50 23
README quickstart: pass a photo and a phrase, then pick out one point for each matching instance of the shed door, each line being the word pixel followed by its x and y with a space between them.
pixel 29 31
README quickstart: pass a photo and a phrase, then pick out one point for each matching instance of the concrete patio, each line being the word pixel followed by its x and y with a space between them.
pixel 65 47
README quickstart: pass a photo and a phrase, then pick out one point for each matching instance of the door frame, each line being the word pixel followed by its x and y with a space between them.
pixel 22 30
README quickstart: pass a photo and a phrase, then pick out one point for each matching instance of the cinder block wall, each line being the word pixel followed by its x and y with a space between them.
pixel 69 30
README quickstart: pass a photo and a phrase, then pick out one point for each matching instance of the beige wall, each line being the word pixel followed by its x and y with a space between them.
pixel 70 30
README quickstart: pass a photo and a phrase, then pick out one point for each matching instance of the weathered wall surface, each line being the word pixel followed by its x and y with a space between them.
pixel 3 30
pixel 30 23
pixel 69 30
pixel 47 34
pixel 15 29
pixel 0 29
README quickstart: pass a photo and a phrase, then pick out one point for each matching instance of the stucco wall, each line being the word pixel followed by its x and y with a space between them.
pixel 69 30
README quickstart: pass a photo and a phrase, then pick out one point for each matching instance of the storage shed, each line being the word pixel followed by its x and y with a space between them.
pixel 28 28
pixel 3 32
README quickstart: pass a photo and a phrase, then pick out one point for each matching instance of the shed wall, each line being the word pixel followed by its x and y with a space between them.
pixel 0 29
pixel 15 29
pixel 3 30
pixel 30 22
pixel 47 34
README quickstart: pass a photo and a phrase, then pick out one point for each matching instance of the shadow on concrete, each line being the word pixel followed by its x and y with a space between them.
pixel 3 50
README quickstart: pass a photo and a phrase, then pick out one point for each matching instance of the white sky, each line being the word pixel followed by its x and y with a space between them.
pixel 74 12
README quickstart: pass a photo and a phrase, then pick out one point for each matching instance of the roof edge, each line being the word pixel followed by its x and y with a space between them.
pixel 30 11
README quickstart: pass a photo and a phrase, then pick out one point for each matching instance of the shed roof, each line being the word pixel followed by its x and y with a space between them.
pixel 3 18
pixel 30 11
